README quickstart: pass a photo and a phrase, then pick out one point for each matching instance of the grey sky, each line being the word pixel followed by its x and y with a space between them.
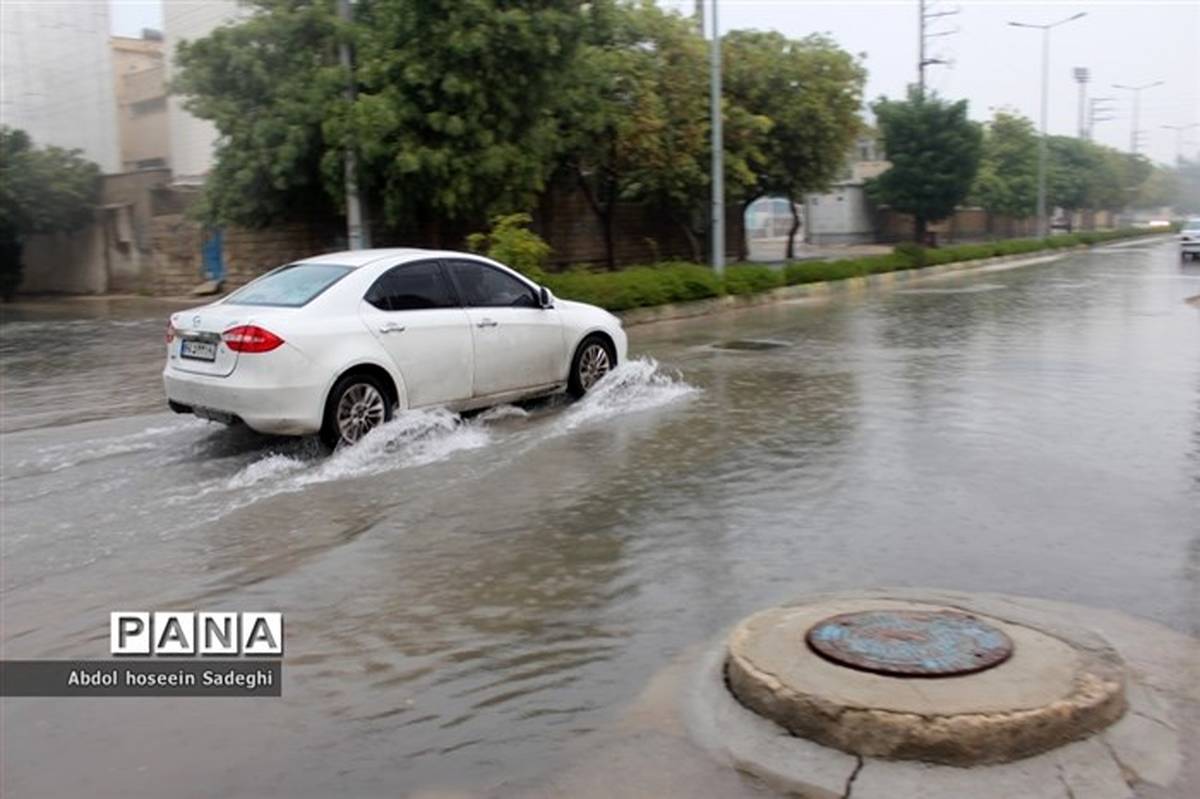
pixel 994 65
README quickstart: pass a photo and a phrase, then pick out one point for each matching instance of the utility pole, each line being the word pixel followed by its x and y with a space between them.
pixel 1082 76
pixel 357 230
pixel 718 145
pixel 1043 227
pixel 1179 129
pixel 1135 133
pixel 1097 107
pixel 924 17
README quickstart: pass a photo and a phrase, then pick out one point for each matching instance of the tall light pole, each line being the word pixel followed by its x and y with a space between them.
pixel 1045 29
pixel 718 144
pixel 1137 108
pixel 1082 76
pixel 1179 129
pixel 356 224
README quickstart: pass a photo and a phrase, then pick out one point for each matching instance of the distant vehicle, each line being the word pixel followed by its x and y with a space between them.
pixel 1189 239
pixel 336 344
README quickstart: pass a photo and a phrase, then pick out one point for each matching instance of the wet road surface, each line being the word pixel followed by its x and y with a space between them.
pixel 468 603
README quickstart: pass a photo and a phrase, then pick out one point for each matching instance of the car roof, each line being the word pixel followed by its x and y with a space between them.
pixel 357 258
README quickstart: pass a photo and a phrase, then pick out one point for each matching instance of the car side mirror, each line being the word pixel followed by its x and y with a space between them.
pixel 545 297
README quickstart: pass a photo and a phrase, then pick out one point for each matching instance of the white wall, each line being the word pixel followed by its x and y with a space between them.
pixel 191 139
pixel 56 77
pixel 841 216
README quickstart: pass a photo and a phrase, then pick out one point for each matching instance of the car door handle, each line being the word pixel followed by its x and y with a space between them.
pixel 391 327
pixel 487 323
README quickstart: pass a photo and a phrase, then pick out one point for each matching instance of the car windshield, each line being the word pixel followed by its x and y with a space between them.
pixel 289 286
pixel 1192 225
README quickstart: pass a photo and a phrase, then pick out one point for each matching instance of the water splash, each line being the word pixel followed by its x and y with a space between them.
pixel 636 385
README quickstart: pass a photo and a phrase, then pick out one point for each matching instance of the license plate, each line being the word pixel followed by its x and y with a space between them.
pixel 198 350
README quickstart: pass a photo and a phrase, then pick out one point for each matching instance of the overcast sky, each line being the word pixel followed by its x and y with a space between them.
pixel 994 65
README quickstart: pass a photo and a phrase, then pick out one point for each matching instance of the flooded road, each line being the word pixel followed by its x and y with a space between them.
pixel 469 603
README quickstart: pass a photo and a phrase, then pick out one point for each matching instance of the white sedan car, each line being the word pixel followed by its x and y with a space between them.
pixel 338 343
pixel 1189 239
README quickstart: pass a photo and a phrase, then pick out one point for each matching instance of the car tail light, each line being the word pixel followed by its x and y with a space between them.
pixel 170 332
pixel 250 338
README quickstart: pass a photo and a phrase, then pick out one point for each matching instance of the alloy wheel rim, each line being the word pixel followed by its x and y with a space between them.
pixel 593 365
pixel 360 410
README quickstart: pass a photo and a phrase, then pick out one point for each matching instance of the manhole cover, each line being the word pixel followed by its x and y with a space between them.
pixel 751 344
pixel 910 643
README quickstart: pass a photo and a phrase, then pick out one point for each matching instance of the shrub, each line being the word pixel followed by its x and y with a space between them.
pixel 642 286
pixel 513 244
pixel 751 279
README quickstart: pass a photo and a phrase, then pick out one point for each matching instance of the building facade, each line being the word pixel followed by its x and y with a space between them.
pixel 139 78
pixel 56 77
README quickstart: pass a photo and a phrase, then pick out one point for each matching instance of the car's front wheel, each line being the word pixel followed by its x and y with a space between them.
pixel 593 360
pixel 357 405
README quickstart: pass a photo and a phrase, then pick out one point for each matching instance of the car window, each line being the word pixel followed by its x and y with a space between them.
pixel 483 286
pixel 289 286
pixel 411 287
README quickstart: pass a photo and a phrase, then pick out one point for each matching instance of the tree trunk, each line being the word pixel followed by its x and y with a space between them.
pixel 791 245
pixel 605 212
pixel 610 248
pixel 919 229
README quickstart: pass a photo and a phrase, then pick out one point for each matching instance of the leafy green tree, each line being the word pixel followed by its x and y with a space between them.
pixel 1186 198
pixel 267 83
pixel 1007 179
pixel 934 149
pixel 46 190
pixel 452 119
pixel 810 91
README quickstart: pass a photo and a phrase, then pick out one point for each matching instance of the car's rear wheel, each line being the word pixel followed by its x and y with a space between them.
pixel 357 405
pixel 593 360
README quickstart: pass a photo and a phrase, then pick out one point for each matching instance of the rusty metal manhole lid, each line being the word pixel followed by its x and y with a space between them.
pixel 910 643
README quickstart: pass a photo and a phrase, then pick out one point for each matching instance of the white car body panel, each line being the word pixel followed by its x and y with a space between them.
pixel 1189 237
pixel 437 356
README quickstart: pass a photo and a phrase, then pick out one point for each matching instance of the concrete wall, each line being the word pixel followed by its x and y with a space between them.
pixel 56 77
pixel 191 139
pixel 113 254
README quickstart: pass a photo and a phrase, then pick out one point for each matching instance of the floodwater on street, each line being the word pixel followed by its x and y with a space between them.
pixel 469 604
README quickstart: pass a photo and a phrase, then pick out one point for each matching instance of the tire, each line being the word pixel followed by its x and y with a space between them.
pixel 357 405
pixel 594 358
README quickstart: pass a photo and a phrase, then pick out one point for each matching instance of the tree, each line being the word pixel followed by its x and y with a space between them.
pixel 452 119
pixel 47 190
pixel 810 91
pixel 1007 179
pixel 934 149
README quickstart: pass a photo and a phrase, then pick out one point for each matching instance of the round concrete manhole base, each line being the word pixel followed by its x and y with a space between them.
pixel 1045 687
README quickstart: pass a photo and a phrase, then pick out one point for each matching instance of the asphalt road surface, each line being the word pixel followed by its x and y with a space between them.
pixel 467 602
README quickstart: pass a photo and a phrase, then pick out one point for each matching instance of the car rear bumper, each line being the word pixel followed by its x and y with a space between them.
pixel 279 410
pixel 1190 246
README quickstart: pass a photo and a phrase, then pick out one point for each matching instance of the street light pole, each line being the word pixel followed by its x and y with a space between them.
pixel 718 144
pixel 1179 129
pixel 356 225
pixel 1043 228
pixel 1137 108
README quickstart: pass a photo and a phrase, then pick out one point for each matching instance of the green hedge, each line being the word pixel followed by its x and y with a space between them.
pixel 643 286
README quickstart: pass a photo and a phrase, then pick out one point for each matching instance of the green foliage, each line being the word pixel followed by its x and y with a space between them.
pixel 465 109
pixel 638 286
pixel 451 119
pixel 749 279
pixel 934 149
pixel 268 83
pixel 512 243
pixel 1007 178
pixel 46 190
pixel 810 90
